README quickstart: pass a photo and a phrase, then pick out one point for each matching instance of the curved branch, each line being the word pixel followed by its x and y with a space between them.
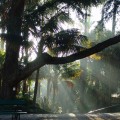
pixel 30 68
pixel 47 59
pixel 85 53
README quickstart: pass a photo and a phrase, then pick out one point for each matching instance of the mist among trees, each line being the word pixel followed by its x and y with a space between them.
pixel 60 69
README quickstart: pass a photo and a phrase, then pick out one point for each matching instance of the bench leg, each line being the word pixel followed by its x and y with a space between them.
pixel 16 116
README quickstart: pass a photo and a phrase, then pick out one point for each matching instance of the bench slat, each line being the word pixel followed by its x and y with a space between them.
pixel 12 107
pixel 12 102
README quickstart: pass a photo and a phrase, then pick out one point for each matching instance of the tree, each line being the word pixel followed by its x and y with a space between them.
pixel 21 17
pixel 36 87
pixel 111 10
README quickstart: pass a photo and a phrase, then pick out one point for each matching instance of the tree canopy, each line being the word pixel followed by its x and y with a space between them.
pixel 39 20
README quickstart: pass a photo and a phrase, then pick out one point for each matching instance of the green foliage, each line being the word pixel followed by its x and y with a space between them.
pixel 42 19
pixel 2 57
pixel 53 24
pixel 97 35
pixel 34 109
pixel 66 41
pixel 109 8
pixel 71 71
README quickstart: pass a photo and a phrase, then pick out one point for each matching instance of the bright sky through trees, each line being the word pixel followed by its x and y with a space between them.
pixel 94 18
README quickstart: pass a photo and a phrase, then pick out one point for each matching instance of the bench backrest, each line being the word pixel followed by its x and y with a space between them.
pixel 12 102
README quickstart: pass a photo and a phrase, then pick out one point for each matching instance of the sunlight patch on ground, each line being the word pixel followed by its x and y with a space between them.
pixel 71 115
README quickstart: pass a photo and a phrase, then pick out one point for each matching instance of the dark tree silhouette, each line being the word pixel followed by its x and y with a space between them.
pixel 20 18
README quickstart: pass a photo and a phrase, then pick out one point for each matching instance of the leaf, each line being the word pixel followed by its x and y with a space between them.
pixel 96 57
pixel 66 41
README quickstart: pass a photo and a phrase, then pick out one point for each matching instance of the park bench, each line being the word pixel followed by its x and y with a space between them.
pixel 12 107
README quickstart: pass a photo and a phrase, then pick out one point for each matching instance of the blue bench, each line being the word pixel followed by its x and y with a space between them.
pixel 12 107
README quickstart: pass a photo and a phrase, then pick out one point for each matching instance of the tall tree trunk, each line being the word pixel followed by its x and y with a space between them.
pixel 38 90
pixel 24 87
pixel 7 91
pixel 48 88
pixel 13 39
pixel 114 17
pixel 36 87
pixel 87 20
pixel 10 70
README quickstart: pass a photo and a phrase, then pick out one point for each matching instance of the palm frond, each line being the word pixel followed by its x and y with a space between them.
pixel 53 11
pixel 42 9
pixel 64 50
pixel 81 2
pixel 53 5
pixel 66 41
pixel 52 24
pixel 109 8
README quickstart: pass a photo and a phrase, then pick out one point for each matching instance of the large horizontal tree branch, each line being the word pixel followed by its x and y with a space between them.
pixel 30 68
pixel 47 59
pixel 85 53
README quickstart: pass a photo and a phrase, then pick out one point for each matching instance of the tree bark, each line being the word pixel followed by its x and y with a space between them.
pixel 48 88
pixel 7 91
pixel 13 39
pixel 10 69
pixel 36 87
pixel 25 88
pixel 114 17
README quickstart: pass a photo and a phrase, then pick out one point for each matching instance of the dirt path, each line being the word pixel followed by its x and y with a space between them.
pixel 71 116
